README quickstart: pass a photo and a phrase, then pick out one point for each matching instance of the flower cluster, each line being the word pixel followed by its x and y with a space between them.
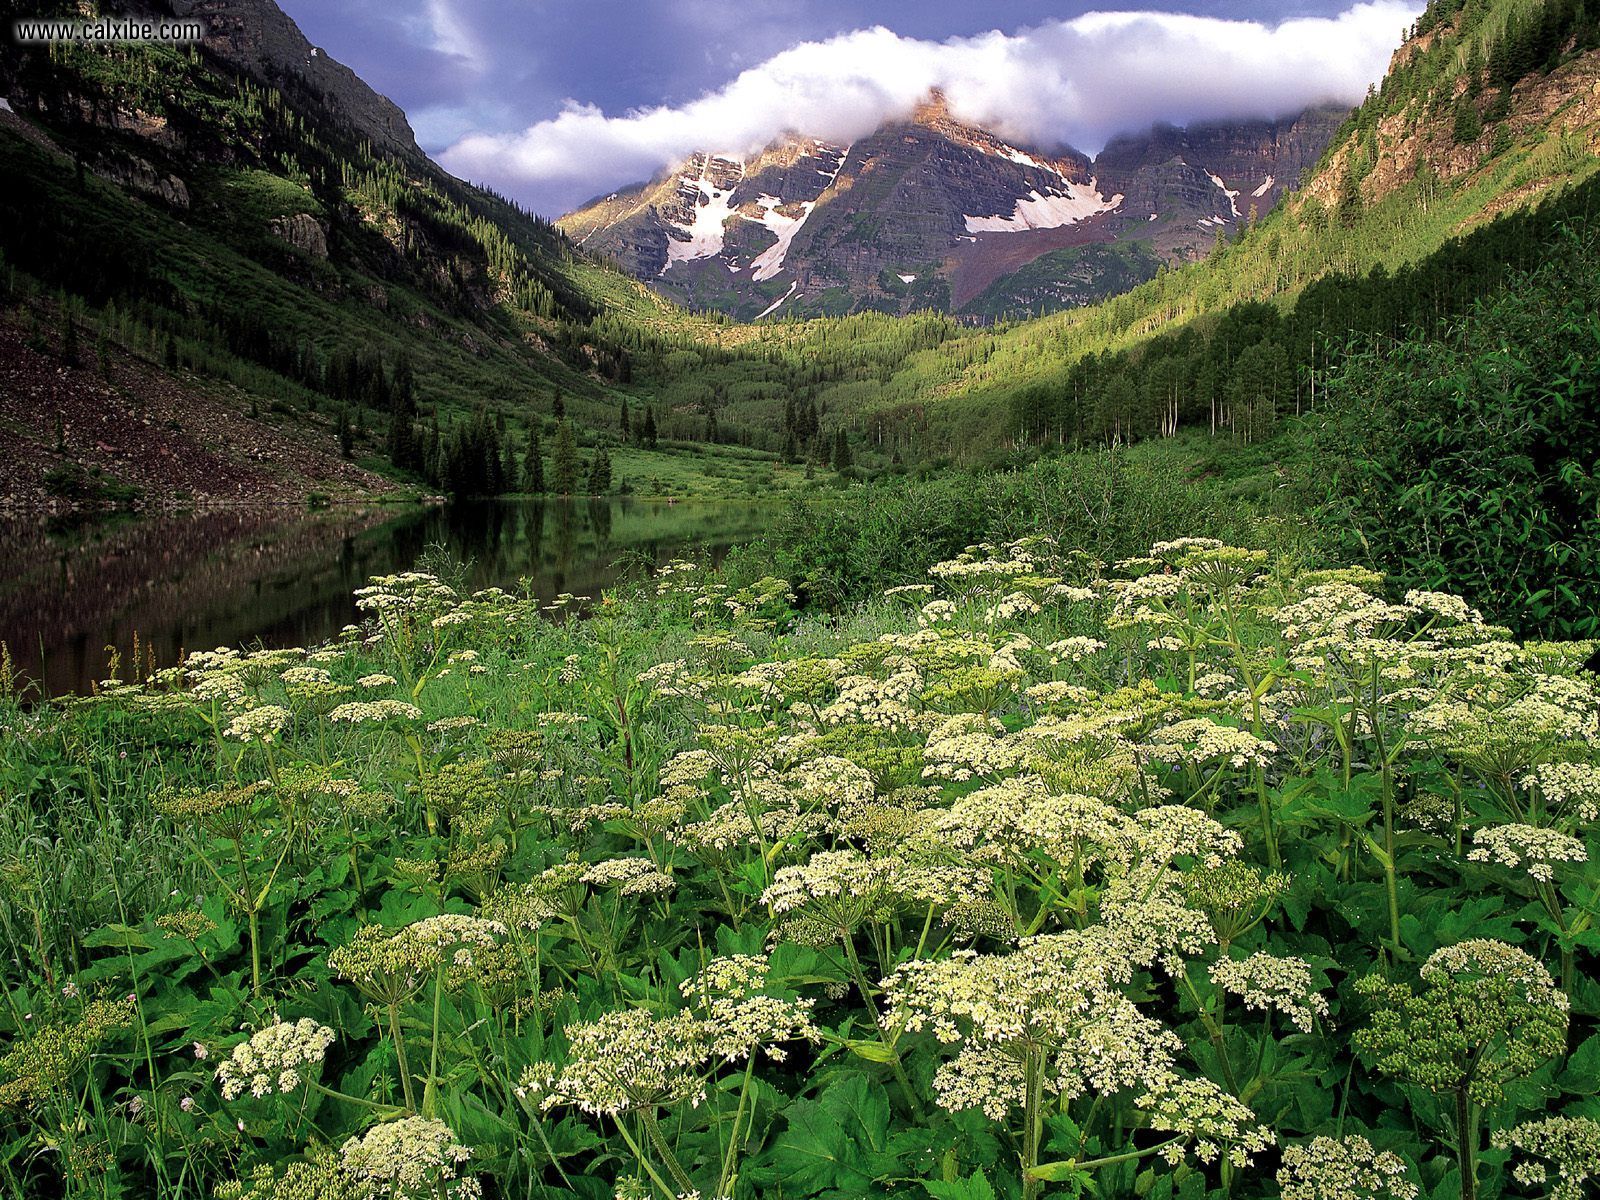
pixel 273 1059
pixel 262 724
pixel 391 965
pixel 1527 848
pixel 1269 983
pixel 1213 1123
pixel 43 1065
pixel 636 1059
pixel 363 712
pixel 413 1158
pixel 1346 1168
pixel 1054 1005
pixel 1568 1145
pixel 1483 1003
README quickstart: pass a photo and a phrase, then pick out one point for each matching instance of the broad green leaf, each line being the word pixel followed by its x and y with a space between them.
pixel 838 1140
pixel 974 1188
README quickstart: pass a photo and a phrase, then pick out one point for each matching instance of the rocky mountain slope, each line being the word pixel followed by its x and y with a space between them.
pixel 931 212
pixel 1498 98
pixel 249 218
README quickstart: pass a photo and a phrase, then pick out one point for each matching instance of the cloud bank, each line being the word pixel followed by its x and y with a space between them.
pixel 1073 82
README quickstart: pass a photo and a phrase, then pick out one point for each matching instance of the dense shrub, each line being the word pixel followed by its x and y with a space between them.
pixel 1471 456
pixel 1109 503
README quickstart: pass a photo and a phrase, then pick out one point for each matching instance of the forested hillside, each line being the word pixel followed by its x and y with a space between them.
pixel 225 213
pixel 1409 196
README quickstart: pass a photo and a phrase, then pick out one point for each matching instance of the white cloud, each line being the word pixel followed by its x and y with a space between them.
pixel 1076 82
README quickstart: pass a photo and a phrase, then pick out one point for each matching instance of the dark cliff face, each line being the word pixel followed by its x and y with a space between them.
pixel 261 39
pixel 932 213
pixel 252 37
pixel 1261 160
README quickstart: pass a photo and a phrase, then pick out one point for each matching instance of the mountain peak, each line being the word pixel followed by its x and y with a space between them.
pixel 934 212
pixel 934 109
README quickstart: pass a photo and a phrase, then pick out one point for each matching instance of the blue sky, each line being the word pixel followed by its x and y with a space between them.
pixel 556 100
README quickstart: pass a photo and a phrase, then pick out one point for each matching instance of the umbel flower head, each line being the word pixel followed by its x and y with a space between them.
pixel 390 965
pixel 1346 1168
pixel 1486 1013
pixel 637 1059
pixel 273 1059
pixel 414 1158
pixel 1054 1002
pixel 1528 848
pixel 320 1177
pixel 837 891
pixel 43 1064
pixel 1214 1123
pixel 262 724
pixel 230 812
pixel 1268 983
pixel 373 712
pixel 1570 1146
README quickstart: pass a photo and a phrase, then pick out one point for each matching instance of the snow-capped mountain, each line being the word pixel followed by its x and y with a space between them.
pixel 931 212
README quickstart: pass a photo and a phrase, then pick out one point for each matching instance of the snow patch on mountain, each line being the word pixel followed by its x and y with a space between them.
pixel 1264 188
pixel 713 207
pixel 1067 206
pixel 908 279
pixel 784 227
pixel 779 303
pixel 1233 196
pixel 770 261
pixel 1025 159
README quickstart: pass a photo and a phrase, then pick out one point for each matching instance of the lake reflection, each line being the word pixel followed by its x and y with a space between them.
pixel 196 581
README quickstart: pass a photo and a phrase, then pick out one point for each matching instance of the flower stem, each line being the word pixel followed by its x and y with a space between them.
pixel 1032 1122
pixel 652 1130
pixel 731 1157
pixel 872 1007
pixel 430 1090
pixel 1467 1144
pixel 400 1058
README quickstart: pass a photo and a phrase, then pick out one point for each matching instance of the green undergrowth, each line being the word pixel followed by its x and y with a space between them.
pixel 1202 873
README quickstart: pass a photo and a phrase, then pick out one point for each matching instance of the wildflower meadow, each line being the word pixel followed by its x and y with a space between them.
pixel 1203 874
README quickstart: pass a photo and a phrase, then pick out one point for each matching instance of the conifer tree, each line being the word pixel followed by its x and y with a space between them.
pixel 509 472
pixel 564 461
pixel 402 440
pixel 647 433
pixel 600 473
pixel 69 337
pixel 533 465
pixel 841 452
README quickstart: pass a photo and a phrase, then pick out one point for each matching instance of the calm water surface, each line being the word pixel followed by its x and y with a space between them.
pixel 281 578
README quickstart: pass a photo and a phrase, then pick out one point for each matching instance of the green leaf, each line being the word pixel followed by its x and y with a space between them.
pixel 871 1051
pixel 1065 1171
pixel 1581 1076
pixel 119 936
pixel 975 1188
pixel 838 1140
